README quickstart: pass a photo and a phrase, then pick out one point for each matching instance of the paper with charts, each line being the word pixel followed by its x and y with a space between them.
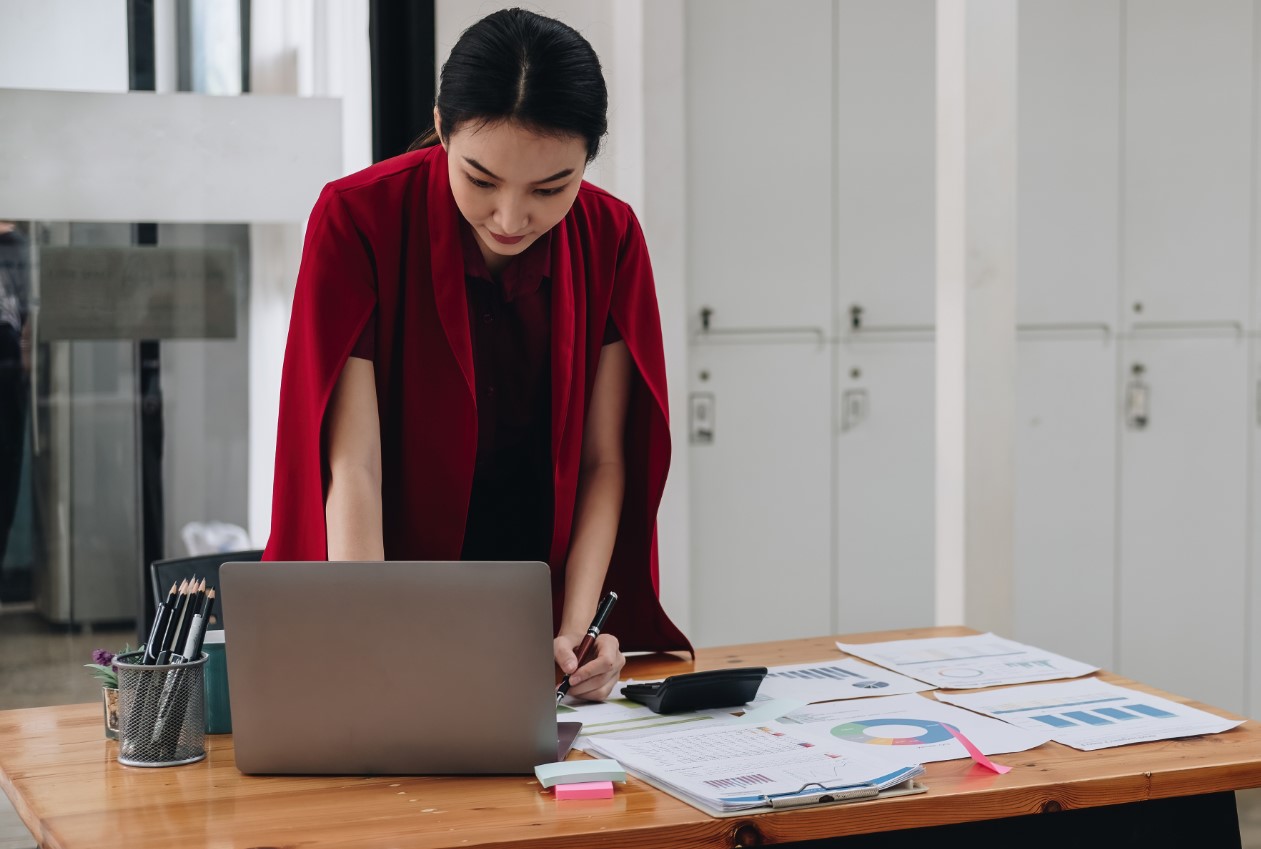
pixel 803 682
pixel 913 726
pixel 724 767
pixel 839 679
pixel 983 660
pixel 625 718
pixel 1093 714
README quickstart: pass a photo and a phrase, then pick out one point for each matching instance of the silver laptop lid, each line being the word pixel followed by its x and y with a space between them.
pixel 390 668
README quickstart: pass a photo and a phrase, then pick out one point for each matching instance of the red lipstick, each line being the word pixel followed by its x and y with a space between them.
pixel 506 240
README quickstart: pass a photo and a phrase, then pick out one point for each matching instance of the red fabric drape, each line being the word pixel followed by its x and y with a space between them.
pixel 387 238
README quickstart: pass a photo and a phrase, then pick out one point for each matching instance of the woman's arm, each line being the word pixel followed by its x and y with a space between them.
pixel 352 441
pixel 601 485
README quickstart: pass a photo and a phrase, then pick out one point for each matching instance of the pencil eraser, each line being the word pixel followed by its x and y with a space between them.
pixel 586 790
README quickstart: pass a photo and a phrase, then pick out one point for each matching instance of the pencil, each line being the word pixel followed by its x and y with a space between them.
pixel 176 623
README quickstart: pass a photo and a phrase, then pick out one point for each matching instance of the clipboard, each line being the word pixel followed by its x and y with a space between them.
pixel 804 798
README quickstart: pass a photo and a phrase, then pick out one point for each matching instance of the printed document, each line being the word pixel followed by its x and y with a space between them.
pixel 837 679
pixel 983 660
pixel 721 767
pixel 1092 714
pixel 802 682
pixel 911 726
pixel 621 716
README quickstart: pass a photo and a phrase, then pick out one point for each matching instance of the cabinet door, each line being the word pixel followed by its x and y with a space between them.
pixel 1065 510
pixel 886 113
pixel 1184 527
pixel 1188 160
pixel 760 482
pixel 1069 161
pixel 759 145
pixel 885 515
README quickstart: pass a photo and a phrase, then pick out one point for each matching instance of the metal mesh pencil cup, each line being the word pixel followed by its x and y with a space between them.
pixel 161 712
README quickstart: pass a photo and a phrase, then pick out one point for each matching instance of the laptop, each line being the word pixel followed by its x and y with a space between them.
pixel 387 668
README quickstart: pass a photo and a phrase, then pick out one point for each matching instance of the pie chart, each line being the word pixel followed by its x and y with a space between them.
pixel 892 732
pixel 960 672
pixel 871 685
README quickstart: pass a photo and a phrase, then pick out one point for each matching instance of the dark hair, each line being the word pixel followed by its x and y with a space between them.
pixel 520 66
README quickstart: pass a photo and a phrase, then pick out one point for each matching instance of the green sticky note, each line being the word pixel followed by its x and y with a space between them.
pixel 580 772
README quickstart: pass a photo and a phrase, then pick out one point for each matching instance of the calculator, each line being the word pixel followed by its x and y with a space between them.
pixel 716 688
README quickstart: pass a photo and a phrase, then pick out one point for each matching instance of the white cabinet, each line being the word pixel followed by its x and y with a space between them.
pixel 1188 188
pixel 885 234
pixel 1065 534
pixel 885 521
pixel 1067 295
pixel 885 243
pixel 760 480
pixel 760 224
pixel 1069 160
pixel 1136 214
pixel 1136 187
pixel 1188 161
pixel 759 165
pixel 811 163
pixel 1183 523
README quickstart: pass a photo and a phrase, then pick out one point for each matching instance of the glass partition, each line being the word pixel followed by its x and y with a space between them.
pixel 123 391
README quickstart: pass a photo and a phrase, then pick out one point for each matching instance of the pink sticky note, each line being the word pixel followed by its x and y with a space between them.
pixel 586 790
pixel 977 754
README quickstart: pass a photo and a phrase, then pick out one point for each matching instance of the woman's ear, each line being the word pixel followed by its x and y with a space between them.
pixel 437 128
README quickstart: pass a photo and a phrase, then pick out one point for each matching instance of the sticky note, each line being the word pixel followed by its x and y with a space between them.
pixel 586 790
pixel 580 772
pixel 976 753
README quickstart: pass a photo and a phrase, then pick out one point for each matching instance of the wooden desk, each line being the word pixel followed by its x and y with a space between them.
pixel 70 791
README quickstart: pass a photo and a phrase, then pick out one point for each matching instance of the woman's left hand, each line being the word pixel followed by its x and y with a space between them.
pixel 598 676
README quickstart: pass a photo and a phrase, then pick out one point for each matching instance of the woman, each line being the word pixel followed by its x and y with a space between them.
pixel 474 367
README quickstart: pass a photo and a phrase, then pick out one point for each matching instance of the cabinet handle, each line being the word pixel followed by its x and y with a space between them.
pixel 891 330
pixel 1137 400
pixel 707 330
pixel 1069 327
pixel 853 408
pixel 1232 328
pixel 857 328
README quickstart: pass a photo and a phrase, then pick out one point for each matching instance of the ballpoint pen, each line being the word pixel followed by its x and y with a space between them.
pixel 160 619
pixel 601 613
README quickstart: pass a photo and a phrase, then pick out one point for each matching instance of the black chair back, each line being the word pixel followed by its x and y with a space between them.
pixel 164 573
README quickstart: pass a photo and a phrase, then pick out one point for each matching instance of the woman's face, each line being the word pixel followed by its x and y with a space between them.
pixel 511 184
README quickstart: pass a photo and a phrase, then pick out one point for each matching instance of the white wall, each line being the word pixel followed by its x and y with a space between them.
pixel 69 45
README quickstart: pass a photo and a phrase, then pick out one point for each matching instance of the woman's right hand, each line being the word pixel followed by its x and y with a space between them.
pixel 597 677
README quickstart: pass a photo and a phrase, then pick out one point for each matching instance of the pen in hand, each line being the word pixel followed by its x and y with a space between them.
pixel 601 613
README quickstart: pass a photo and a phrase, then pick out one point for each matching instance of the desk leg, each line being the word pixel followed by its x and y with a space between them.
pixel 1209 820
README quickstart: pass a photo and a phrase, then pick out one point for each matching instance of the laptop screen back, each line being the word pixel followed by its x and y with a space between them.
pixel 390 667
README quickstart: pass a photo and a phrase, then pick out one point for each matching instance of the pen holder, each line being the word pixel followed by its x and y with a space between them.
pixel 161 712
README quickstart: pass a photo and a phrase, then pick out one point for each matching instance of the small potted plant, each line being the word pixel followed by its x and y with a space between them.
pixel 103 668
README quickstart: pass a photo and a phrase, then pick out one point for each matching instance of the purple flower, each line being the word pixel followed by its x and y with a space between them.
pixel 102 657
